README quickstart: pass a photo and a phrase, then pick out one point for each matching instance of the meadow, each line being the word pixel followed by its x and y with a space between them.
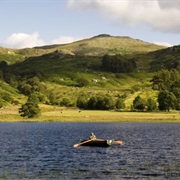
pixel 59 114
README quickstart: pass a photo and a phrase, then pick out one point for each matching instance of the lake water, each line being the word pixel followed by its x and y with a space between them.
pixel 45 151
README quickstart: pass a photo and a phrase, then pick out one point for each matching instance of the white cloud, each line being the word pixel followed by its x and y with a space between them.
pixel 22 40
pixel 161 15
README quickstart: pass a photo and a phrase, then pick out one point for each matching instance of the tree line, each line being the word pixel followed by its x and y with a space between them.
pixel 118 64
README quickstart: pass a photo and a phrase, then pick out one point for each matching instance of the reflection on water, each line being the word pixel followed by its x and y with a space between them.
pixel 45 151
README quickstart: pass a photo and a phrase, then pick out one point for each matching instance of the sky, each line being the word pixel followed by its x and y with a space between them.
pixel 30 23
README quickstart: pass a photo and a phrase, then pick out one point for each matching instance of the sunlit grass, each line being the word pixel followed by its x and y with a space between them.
pixel 59 114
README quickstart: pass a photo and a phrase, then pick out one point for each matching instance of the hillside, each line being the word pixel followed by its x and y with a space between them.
pixel 105 44
pixel 96 46
pixel 65 72
pixel 9 95
pixel 165 58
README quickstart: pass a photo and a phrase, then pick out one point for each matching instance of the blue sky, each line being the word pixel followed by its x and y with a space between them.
pixel 29 23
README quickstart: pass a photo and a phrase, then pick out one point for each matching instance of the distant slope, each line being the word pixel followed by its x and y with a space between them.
pixel 97 46
pixel 100 45
pixel 165 58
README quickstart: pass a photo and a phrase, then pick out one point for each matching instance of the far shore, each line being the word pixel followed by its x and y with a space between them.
pixel 59 114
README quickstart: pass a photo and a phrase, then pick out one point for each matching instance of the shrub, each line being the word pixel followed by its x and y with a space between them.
pixel 66 102
pixel 139 104
pixel 81 82
pixel 151 105
pixel 120 104
pixel 82 102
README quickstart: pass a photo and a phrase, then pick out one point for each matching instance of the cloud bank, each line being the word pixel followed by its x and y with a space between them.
pixel 161 15
pixel 23 40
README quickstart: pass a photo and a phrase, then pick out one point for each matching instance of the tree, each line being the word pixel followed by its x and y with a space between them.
pixel 25 88
pixel 107 103
pixel 100 103
pixel 82 102
pixel 3 64
pixel 178 104
pixel 33 98
pixel 1 103
pixel 92 103
pixel 52 98
pixel 1 75
pixel 118 64
pixel 139 104
pixel 151 105
pixel 31 108
pixel 167 80
pixel 66 102
pixel 29 85
pixel 120 103
pixel 166 100
pixel 162 80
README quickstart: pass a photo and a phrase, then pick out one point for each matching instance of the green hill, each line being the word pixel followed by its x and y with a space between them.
pixel 95 46
pixel 105 44
pixel 62 73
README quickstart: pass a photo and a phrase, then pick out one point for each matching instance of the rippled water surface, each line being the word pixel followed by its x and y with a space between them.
pixel 45 151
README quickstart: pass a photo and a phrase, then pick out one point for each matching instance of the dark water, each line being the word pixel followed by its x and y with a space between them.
pixel 45 151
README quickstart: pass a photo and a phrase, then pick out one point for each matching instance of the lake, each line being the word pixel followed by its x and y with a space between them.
pixel 45 151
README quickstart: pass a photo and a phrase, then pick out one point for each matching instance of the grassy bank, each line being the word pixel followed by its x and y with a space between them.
pixel 58 114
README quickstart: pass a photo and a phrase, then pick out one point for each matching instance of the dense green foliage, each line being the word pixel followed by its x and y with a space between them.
pixel 100 103
pixel 166 100
pixel 96 103
pixel 139 104
pixel 118 64
pixel 167 80
pixel 168 83
pixel 30 109
pixel 151 105
pixel 120 103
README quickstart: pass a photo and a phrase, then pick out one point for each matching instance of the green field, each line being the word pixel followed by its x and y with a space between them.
pixel 59 114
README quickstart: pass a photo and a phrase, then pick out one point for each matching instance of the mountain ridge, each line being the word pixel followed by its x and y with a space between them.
pixel 146 54
pixel 97 46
